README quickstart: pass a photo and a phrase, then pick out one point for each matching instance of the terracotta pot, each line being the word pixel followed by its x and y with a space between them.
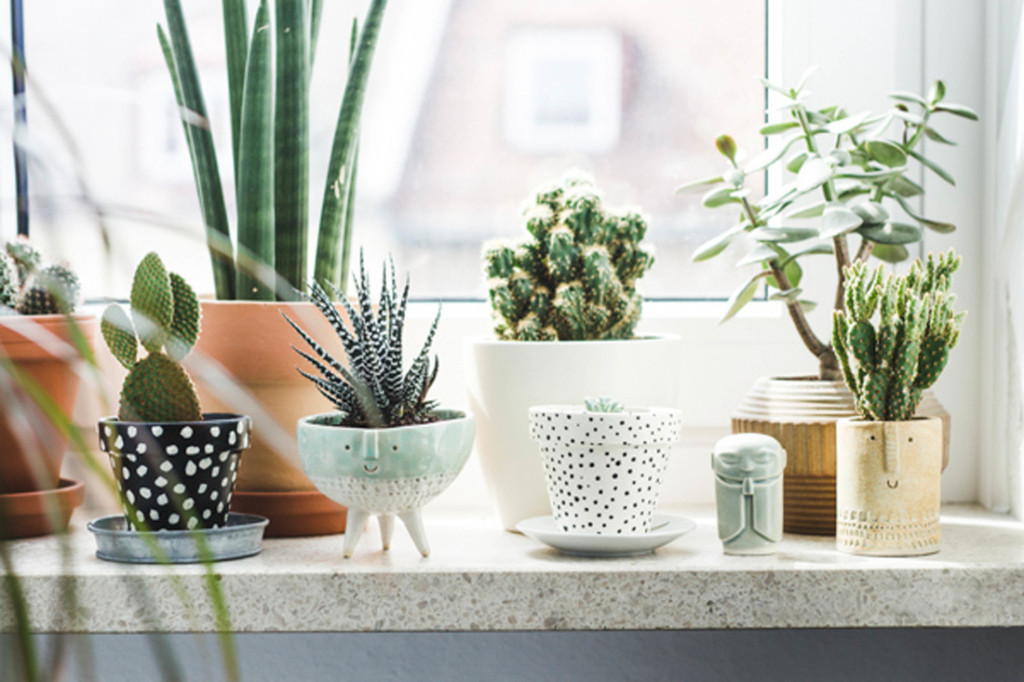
pixel 26 515
pixel 888 486
pixel 252 343
pixel 31 447
pixel 801 413
pixel 509 377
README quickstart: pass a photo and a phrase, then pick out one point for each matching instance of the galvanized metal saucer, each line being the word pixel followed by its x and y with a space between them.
pixel 241 537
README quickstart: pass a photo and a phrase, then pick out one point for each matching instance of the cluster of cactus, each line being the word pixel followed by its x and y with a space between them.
pixel 371 391
pixel 29 288
pixel 888 363
pixel 576 279
pixel 165 320
pixel 602 404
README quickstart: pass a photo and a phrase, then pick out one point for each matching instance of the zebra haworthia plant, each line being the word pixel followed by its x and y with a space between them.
pixel 889 362
pixel 848 174
pixel 602 404
pixel 268 83
pixel 165 321
pixel 371 389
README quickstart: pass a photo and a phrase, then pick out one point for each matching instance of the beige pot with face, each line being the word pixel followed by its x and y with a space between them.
pixel 888 486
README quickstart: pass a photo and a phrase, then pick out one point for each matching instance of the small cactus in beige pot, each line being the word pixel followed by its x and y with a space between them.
pixel 892 342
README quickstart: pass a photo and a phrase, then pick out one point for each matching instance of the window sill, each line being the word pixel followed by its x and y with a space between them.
pixel 482 578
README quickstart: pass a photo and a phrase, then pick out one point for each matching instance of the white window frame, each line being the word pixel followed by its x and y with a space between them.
pixel 722 361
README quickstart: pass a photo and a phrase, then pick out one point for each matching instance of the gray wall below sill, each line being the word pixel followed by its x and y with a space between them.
pixel 991 654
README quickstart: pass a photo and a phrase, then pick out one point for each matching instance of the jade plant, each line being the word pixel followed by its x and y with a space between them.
pixel 602 404
pixel 846 176
pixel 371 390
pixel 164 321
pixel 575 279
pixel 268 73
pixel 27 287
pixel 888 359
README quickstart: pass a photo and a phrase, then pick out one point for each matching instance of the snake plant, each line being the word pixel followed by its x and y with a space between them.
pixel 268 83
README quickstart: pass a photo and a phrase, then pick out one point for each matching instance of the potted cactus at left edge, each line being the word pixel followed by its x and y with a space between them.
pixel 42 342
pixel 566 307
pixel 174 465
pixel 892 341
pixel 388 450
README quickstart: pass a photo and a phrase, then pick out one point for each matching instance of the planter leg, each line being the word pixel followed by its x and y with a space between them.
pixel 414 522
pixel 354 529
pixel 387 529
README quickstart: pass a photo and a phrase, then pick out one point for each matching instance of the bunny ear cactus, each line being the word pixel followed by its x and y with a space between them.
pixel 576 279
pixel 165 321
pixel 887 364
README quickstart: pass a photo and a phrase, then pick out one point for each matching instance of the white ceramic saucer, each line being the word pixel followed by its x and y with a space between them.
pixel 664 529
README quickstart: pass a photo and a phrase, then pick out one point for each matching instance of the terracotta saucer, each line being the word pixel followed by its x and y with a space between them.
pixel 25 515
pixel 301 513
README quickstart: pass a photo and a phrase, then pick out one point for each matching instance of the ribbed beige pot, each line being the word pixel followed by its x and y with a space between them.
pixel 888 487
pixel 801 413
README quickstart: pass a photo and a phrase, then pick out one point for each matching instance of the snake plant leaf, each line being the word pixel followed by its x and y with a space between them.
pixel 891 233
pixel 315 12
pixel 256 167
pixel 744 295
pixel 291 144
pixel 236 45
pixel 185 78
pixel 339 170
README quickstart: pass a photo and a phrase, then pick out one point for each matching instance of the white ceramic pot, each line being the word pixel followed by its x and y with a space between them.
pixel 888 486
pixel 604 470
pixel 508 377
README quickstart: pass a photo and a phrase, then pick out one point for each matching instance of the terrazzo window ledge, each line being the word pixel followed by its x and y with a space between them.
pixel 481 578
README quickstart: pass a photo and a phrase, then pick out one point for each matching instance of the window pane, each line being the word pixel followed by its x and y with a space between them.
pixel 471 106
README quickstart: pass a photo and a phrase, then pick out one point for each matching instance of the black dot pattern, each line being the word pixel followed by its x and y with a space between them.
pixel 604 470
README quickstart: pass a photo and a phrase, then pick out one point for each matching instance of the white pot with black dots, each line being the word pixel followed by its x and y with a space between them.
pixel 604 469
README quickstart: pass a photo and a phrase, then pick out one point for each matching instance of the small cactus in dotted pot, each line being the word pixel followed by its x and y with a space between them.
pixel 175 466
pixel 575 280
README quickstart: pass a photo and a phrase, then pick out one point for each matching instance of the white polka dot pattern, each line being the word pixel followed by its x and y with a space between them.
pixel 166 481
pixel 604 470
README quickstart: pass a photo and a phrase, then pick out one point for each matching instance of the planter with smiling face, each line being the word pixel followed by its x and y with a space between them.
pixel 386 472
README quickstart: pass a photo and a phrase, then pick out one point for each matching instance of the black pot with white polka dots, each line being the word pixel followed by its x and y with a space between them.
pixel 176 475
pixel 604 470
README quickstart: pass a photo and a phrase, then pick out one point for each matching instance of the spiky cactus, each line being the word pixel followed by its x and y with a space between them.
pixel 52 290
pixel 25 256
pixel 165 320
pixel 888 363
pixel 576 279
pixel 371 389
pixel 9 283
pixel 602 405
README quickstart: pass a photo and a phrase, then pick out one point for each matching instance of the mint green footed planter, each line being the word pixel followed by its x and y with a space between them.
pixel 386 472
